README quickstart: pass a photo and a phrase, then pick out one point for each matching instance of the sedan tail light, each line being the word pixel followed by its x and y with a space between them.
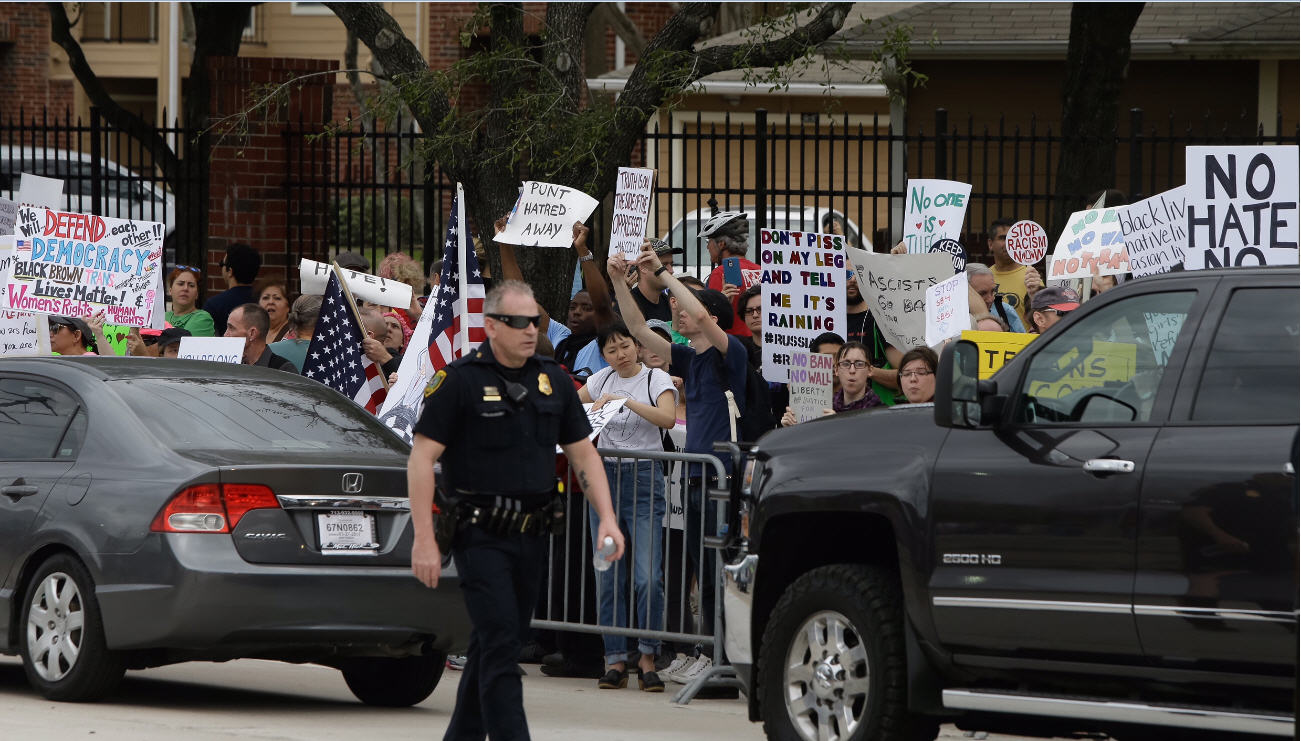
pixel 212 508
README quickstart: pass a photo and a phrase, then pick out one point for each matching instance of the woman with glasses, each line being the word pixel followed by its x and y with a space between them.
pixel 853 374
pixel 183 287
pixel 917 374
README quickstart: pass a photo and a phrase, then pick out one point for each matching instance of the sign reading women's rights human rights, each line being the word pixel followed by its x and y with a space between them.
pixel 935 211
pixel 79 264
pixel 544 215
pixel 895 289
pixel 1242 206
pixel 803 276
pixel 632 203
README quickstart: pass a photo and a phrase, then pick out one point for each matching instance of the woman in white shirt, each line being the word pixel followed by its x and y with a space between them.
pixel 638 489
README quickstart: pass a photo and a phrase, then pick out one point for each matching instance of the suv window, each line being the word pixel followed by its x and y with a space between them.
pixel 1251 370
pixel 33 418
pixel 1107 367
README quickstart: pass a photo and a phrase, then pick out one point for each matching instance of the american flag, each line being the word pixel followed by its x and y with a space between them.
pixel 334 356
pixel 444 331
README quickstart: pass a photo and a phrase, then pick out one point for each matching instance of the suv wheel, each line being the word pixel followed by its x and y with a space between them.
pixel 62 641
pixel 393 683
pixel 832 666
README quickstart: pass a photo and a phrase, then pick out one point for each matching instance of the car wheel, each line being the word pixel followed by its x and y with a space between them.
pixel 62 640
pixel 393 683
pixel 831 664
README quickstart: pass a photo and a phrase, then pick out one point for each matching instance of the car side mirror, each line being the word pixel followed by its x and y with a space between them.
pixel 959 392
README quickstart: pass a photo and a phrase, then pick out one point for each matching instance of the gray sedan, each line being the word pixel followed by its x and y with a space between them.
pixel 158 511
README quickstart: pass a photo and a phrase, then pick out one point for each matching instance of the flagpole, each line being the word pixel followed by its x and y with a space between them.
pixel 463 298
pixel 353 311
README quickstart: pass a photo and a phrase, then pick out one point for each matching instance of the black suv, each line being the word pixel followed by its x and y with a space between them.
pixel 1100 538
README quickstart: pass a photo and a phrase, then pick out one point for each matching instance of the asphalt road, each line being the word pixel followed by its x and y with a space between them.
pixel 268 700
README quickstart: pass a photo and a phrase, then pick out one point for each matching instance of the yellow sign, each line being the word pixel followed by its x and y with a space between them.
pixel 996 348
pixel 1109 362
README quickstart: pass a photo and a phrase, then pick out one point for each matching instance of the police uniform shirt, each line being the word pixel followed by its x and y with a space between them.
pixel 494 444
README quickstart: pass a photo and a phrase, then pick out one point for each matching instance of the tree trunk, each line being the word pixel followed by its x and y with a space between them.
pixel 1096 62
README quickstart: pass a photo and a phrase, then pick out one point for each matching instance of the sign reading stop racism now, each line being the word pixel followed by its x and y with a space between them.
pixel 1027 242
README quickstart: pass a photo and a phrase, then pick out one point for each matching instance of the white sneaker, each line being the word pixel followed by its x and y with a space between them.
pixel 702 665
pixel 679 663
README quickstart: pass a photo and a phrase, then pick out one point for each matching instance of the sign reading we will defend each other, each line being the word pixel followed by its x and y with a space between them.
pixel 544 215
pixel 632 203
pixel 1091 244
pixel 803 276
pixel 1155 232
pixel 1242 206
pixel 810 384
pixel 895 289
pixel 935 211
pixel 79 264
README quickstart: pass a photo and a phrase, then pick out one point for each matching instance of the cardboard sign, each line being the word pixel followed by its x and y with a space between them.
pixel 803 276
pixel 996 348
pixel 1155 232
pixel 1027 243
pixel 947 313
pixel 954 249
pixel 39 192
pixel 1091 244
pixel 935 211
pixel 632 203
pixel 78 264
pixel 810 384
pixel 313 277
pixel 20 333
pixel 215 349
pixel 1106 362
pixel 895 289
pixel 1242 206
pixel 544 215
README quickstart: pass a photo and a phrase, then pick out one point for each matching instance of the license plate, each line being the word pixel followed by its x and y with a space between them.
pixel 346 532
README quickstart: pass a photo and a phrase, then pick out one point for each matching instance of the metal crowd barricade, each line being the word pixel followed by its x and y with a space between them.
pixel 570 600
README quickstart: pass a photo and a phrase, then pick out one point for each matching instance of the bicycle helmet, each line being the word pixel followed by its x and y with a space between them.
pixel 714 224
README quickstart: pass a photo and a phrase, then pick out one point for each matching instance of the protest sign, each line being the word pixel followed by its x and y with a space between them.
pixel 895 289
pixel 954 249
pixel 79 264
pixel 1027 242
pixel 996 348
pixel 1242 206
pixel 803 276
pixel 632 203
pixel 810 384
pixel 947 314
pixel 116 335
pixel 20 333
pixel 935 211
pixel 544 215
pixel 598 418
pixel 313 276
pixel 1091 244
pixel 216 349
pixel 1162 333
pixel 1107 362
pixel 8 215
pixel 1155 232
pixel 39 192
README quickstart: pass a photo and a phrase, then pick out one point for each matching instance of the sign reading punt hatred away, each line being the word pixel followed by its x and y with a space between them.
pixel 544 215
pixel 1242 206
pixel 79 264
pixel 803 276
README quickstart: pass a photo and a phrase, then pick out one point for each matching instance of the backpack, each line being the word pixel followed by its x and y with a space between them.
pixel 756 419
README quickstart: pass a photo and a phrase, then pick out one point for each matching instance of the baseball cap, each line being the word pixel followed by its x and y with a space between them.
pixel 170 335
pixel 718 305
pixel 661 325
pixel 664 248
pixel 1055 297
pixel 353 261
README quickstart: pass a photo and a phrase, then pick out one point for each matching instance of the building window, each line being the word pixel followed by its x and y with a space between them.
pixel 296 8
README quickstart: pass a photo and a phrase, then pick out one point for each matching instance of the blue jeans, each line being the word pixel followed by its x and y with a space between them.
pixel 637 488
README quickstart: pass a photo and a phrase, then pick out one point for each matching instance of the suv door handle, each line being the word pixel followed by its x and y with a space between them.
pixel 1108 466
pixel 18 492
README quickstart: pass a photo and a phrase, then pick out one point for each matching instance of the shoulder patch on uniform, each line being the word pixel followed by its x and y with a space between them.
pixel 435 383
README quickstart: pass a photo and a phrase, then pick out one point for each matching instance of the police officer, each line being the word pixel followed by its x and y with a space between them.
pixel 498 413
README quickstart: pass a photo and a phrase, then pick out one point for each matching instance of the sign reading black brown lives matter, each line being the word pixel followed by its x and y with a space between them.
pixel 804 276
pixel 1242 206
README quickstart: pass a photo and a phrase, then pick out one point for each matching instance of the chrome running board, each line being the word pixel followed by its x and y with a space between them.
pixel 1121 712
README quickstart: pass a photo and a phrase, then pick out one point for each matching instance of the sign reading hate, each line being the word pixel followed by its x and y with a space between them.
pixel 935 211
pixel 79 264
pixel 803 275
pixel 1155 232
pixel 544 215
pixel 632 203
pixel 810 384
pixel 1242 206
pixel 1091 244
pixel 895 289
pixel 313 277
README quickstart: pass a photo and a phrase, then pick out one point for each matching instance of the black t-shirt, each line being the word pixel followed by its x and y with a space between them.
pixel 862 328
pixel 496 445
pixel 659 310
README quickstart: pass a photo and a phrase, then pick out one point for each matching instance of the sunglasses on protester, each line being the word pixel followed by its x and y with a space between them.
pixel 516 321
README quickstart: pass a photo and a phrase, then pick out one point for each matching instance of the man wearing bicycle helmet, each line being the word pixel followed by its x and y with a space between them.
pixel 728 235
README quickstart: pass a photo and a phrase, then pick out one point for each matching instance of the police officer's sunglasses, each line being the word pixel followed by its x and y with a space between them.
pixel 516 321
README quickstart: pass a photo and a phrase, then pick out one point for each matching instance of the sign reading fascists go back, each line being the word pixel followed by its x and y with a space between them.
pixel 803 276
pixel 80 264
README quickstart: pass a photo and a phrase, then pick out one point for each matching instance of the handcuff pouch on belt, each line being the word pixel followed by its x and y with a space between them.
pixel 460 512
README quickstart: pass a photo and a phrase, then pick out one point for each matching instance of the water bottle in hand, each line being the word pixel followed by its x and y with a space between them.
pixel 606 549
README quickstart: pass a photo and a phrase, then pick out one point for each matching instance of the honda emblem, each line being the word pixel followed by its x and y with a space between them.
pixel 351 483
